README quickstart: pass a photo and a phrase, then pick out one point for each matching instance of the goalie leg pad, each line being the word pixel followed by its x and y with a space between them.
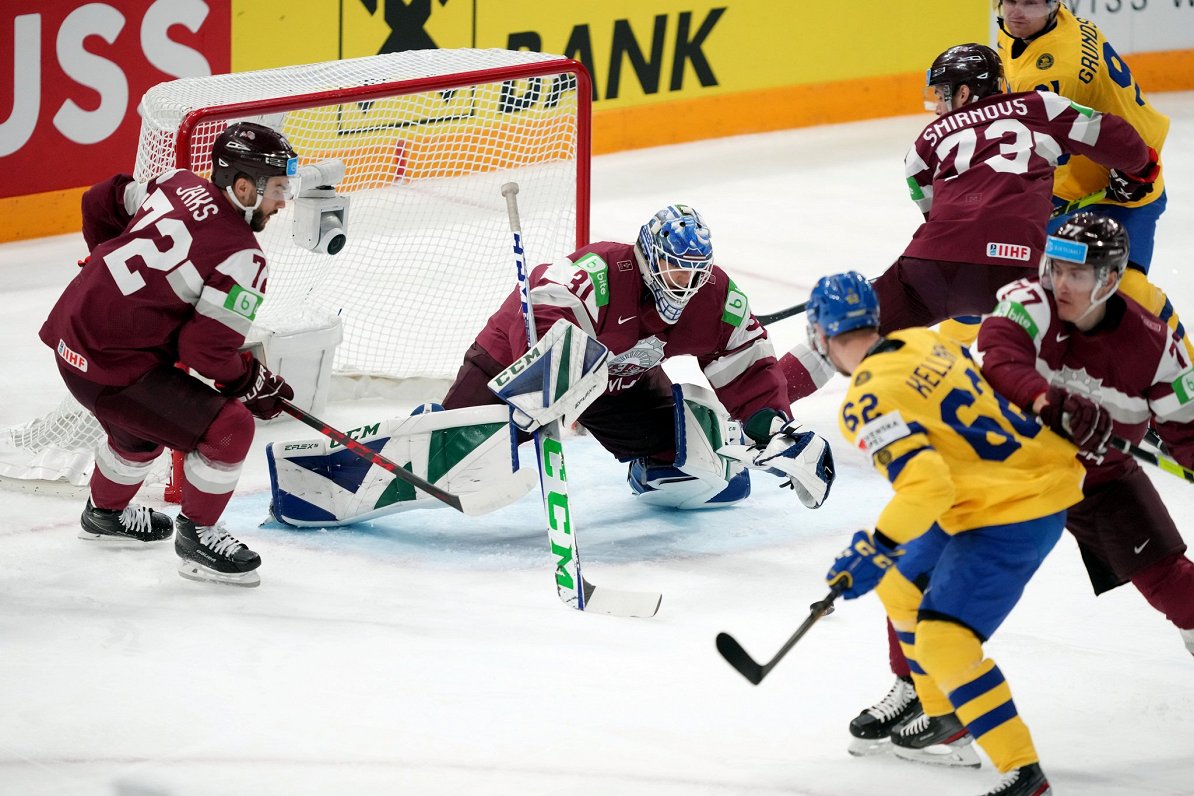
pixel 319 483
pixel 557 379
pixel 699 477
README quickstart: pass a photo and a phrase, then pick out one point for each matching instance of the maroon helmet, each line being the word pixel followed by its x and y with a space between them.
pixel 252 150
pixel 975 66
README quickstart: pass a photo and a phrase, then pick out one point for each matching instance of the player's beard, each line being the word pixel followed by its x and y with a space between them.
pixel 259 220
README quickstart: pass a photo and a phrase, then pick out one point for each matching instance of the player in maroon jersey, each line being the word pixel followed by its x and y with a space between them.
pixel 647 301
pixel 1056 346
pixel 982 174
pixel 175 275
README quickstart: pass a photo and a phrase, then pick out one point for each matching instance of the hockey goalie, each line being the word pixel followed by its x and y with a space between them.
pixel 686 446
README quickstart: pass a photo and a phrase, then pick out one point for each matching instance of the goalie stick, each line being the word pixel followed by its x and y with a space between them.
pixel 573 589
pixel 1069 207
pixel 484 501
pixel 737 657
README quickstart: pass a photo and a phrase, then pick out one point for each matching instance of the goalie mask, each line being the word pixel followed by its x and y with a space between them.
pixel 254 151
pixel 840 303
pixel 1088 239
pixel 675 256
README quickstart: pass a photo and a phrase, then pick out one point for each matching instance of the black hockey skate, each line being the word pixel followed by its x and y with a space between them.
pixel 210 553
pixel 936 740
pixel 873 727
pixel 133 524
pixel 1023 781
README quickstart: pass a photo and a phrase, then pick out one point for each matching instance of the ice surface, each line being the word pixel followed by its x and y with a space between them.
pixel 427 653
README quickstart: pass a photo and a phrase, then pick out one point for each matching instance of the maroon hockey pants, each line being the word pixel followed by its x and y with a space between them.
pixel 915 292
pixel 165 408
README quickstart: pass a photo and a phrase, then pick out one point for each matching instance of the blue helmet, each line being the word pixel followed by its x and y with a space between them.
pixel 841 303
pixel 677 258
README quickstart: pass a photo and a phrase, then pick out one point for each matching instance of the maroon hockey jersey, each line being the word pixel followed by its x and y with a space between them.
pixel 983 174
pixel 1130 363
pixel 599 288
pixel 181 282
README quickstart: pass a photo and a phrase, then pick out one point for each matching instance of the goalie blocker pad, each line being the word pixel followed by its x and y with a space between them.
pixel 699 477
pixel 557 379
pixel 319 483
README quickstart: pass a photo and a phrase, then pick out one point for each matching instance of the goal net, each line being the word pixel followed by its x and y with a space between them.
pixel 428 138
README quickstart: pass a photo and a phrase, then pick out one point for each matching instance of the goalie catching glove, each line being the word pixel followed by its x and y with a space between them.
pixel 556 380
pixel 802 458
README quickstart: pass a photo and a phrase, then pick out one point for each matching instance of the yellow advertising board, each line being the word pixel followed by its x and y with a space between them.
pixel 663 70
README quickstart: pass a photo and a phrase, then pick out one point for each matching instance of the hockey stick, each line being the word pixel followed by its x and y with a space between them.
pixel 484 501
pixel 1060 210
pixel 1145 455
pixel 770 318
pixel 737 657
pixel 573 589
pixel 1079 203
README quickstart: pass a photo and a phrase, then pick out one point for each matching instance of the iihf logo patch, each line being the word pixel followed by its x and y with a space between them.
pixel 71 357
pixel 1009 251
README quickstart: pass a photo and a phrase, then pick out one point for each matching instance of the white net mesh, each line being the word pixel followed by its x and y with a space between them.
pixel 428 138
pixel 428 257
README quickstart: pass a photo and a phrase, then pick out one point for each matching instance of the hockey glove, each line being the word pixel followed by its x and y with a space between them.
pixel 859 567
pixel 1126 188
pixel 1079 419
pixel 803 459
pixel 260 389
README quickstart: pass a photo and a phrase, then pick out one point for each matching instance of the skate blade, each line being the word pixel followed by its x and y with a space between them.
pixel 961 755
pixel 193 571
pixel 869 747
pixel 108 540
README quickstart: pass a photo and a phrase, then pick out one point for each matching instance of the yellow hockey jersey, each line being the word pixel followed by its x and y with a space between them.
pixel 956 452
pixel 1075 60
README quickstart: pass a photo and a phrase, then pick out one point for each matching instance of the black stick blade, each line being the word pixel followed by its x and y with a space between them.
pixel 732 651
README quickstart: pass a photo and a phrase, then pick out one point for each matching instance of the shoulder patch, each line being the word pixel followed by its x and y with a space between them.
pixel 737 308
pixel 882 431
pixel 1014 311
pixel 914 189
pixel 243 301
pixel 598 272
pixel 861 377
pixel 1183 387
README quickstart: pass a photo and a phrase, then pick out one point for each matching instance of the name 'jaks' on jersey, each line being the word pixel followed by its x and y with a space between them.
pixel 956 452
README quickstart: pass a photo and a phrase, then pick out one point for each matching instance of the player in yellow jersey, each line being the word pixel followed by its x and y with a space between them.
pixel 981 492
pixel 1044 46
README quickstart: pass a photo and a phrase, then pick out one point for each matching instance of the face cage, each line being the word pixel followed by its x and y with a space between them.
pixel 670 301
